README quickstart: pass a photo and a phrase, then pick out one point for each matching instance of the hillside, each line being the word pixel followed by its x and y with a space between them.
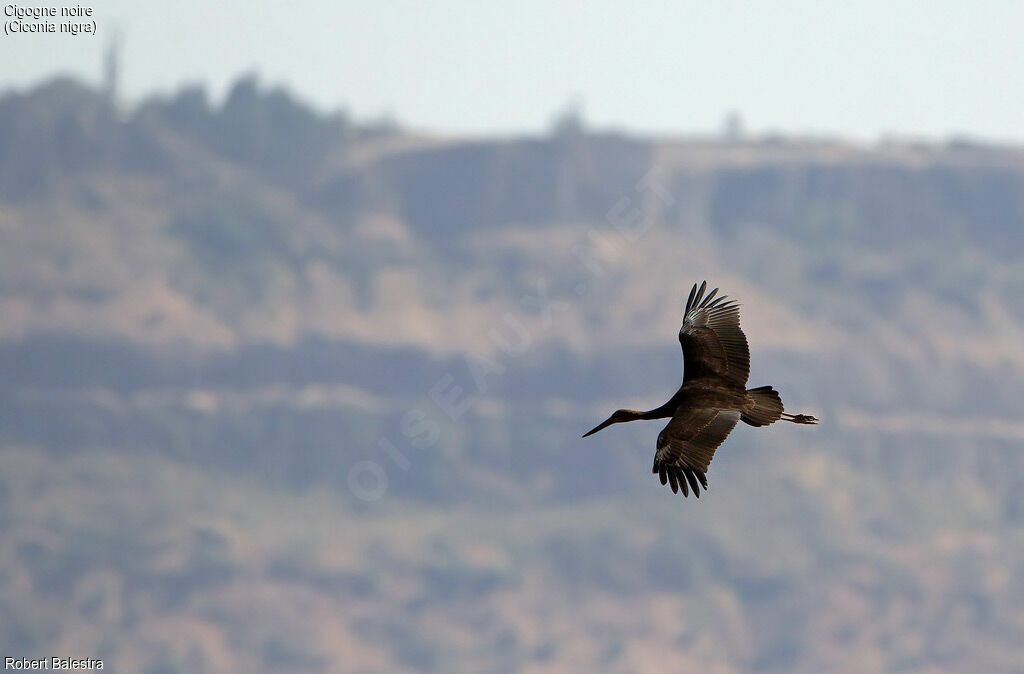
pixel 232 440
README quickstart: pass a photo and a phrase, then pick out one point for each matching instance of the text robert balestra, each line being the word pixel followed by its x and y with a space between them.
pixel 54 662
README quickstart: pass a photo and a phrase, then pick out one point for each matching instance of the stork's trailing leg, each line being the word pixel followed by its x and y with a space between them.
pixel 764 406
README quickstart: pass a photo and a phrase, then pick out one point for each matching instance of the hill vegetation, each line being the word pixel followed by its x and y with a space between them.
pixel 231 438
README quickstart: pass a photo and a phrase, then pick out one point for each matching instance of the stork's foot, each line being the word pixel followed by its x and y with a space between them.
pixel 799 418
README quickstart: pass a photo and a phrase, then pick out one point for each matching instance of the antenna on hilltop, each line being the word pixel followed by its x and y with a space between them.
pixel 569 121
pixel 732 127
pixel 112 69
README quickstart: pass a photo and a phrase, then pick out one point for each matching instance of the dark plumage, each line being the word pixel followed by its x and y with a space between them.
pixel 713 397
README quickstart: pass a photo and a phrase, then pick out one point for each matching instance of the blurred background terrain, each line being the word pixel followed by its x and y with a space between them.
pixel 232 335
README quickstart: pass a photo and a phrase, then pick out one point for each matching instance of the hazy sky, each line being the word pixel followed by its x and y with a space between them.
pixel 852 68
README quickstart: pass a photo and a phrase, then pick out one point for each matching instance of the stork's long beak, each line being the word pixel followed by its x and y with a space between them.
pixel 606 422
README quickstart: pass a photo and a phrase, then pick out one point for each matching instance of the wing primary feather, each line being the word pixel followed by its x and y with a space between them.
pixel 700 293
pixel 717 302
pixel 710 296
pixel 689 300
pixel 692 479
pixel 682 483
pixel 703 479
pixel 672 481
pixel 661 474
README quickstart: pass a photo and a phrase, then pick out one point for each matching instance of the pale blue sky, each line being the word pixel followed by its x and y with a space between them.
pixel 857 69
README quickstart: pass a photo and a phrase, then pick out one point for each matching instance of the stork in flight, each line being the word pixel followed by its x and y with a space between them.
pixel 713 397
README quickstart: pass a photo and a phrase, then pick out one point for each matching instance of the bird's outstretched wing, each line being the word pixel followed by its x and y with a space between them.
pixel 713 344
pixel 688 443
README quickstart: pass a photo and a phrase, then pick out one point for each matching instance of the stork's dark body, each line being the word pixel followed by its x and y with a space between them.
pixel 713 397
pixel 700 393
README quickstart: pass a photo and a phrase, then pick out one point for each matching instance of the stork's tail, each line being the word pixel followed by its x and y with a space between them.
pixel 767 409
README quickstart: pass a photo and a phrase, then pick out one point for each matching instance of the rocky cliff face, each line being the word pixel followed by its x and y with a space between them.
pixel 258 300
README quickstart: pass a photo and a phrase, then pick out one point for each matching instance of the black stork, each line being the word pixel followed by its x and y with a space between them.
pixel 713 397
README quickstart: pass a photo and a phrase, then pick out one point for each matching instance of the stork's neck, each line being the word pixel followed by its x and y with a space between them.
pixel 666 410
